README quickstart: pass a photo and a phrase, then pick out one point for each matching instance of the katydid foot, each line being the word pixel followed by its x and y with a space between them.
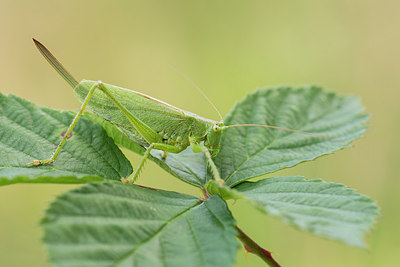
pixel 36 162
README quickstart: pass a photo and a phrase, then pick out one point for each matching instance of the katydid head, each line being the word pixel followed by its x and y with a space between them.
pixel 213 138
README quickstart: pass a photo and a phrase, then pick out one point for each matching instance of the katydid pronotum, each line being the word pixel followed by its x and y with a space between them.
pixel 145 120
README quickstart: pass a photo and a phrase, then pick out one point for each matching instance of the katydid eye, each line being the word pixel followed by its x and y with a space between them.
pixel 215 128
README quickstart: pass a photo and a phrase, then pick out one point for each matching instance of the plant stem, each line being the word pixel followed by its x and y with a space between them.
pixel 251 246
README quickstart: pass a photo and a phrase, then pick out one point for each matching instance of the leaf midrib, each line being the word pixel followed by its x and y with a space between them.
pixel 156 233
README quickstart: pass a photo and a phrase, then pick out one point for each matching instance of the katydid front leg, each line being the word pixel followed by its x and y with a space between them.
pixel 196 147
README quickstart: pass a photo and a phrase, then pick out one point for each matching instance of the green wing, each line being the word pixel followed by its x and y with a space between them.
pixel 168 121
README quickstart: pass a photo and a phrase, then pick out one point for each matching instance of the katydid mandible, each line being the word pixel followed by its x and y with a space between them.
pixel 145 120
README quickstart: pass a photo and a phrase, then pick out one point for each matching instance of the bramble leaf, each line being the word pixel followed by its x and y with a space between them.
pixel 28 132
pixel 326 209
pixel 115 224
pixel 247 152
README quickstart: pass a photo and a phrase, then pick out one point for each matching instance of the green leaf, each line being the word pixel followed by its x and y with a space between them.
pixel 188 166
pixel 28 132
pixel 115 224
pixel 326 209
pixel 248 152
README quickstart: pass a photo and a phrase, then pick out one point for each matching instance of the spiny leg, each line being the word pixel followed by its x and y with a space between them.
pixel 213 168
pixel 164 147
pixel 67 134
pixel 135 175
pixel 197 147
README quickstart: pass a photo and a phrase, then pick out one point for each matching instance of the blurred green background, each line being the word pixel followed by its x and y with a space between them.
pixel 228 48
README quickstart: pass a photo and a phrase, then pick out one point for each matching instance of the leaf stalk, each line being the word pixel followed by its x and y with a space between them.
pixel 251 246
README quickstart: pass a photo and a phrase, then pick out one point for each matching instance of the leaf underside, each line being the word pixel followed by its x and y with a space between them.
pixel 28 133
pixel 114 224
pixel 329 210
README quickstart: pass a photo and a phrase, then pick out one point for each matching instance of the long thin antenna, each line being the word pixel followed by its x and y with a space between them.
pixel 56 64
pixel 198 88
pixel 272 127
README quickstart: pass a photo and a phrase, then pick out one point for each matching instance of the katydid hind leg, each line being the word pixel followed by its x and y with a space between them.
pixel 67 133
pixel 149 134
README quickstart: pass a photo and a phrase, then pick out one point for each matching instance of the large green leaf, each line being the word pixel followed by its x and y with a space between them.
pixel 115 224
pixel 188 166
pixel 28 132
pixel 326 209
pixel 248 152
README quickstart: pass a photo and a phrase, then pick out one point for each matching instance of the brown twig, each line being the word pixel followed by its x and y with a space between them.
pixel 251 246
